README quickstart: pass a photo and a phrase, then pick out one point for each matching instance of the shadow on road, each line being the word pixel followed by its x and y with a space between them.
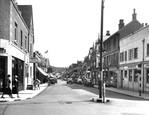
pixel 109 94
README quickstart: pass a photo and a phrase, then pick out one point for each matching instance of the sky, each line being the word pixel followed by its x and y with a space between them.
pixel 68 28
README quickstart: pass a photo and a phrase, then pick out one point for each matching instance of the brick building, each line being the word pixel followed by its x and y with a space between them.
pixel 16 42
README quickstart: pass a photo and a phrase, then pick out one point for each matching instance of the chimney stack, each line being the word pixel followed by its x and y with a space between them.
pixel 108 33
pixel 121 24
pixel 134 15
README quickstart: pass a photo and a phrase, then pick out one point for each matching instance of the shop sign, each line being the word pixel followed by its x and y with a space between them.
pixel 33 60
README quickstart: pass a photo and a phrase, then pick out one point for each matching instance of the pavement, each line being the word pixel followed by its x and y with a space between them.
pixel 24 94
pixel 28 94
pixel 127 92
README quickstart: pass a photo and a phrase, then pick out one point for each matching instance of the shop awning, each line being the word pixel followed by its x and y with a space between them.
pixel 43 72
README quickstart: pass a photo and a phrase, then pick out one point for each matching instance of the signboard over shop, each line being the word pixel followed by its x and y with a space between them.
pixel 33 60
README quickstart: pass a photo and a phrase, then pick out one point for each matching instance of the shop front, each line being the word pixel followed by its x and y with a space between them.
pixel 3 71
pixel 18 69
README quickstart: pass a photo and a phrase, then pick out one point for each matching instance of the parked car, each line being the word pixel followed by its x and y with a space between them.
pixel 69 80
pixel 51 80
pixel 79 81
pixel 87 82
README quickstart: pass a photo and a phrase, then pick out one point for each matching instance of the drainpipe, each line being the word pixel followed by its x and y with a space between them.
pixel 143 65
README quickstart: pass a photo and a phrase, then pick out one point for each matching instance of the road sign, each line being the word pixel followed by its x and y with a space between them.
pixel 33 60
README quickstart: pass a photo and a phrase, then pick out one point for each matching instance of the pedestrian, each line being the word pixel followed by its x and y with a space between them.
pixel 7 89
pixel 38 83
pixel 15 85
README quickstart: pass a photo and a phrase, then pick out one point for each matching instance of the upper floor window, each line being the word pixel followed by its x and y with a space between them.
pixel 130 54
pixel 21 38
pixel 114 57
pixel 28 43
pixel 125 55
pixel 122 56
pixel 135 53
pixel 25 43
pixel 15 31
pixel 148 49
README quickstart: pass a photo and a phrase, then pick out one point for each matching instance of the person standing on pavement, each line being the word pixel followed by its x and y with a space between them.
pixel 15 85
pixel 7 88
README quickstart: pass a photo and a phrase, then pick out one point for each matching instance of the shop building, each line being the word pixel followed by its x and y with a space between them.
pixel 16 42
pixel 111 46
pixel 134 61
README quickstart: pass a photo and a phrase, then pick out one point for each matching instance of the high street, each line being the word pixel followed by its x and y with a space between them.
pixel 74 99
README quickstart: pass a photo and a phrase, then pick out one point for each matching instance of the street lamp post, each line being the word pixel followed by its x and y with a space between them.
pixel 101 40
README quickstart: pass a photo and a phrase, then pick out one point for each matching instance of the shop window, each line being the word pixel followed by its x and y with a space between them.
pixel 130 75
pixel 121 73
pixel 135 75
pixel 125 74
pixel 147 75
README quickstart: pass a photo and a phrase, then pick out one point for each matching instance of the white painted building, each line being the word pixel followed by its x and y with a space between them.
pixel 134 50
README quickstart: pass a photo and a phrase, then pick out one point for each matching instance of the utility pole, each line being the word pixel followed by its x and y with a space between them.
pixel 101 40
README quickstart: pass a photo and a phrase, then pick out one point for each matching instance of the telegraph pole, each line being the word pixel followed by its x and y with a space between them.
pixel 101 40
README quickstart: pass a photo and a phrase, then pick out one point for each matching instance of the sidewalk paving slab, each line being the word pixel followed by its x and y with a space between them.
pixel 127 92
pixel 24 94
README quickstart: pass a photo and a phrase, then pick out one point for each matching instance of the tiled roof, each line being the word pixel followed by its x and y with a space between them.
pixel 26 11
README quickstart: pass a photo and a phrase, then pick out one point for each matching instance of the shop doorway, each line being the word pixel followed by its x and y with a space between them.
pixel 18 69
pixel 2 72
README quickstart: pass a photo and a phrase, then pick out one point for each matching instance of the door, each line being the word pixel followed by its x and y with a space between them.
pixel 2 72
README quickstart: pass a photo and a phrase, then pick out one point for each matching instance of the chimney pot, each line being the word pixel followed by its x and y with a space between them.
pixel 142 24
pixel 108 33
pixel 134 17
pixel 121 23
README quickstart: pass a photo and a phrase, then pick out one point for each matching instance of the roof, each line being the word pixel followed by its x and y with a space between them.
pixel 27 14
pixel 126 26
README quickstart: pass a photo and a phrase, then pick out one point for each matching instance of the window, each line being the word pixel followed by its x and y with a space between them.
pixel 125 55
pixel 125 74
pixel 25 42
pixel 135 75
pixel 31 50
pixel 21 38
pixel 114 58
pixel 28 43
pixel 148 49
pixel 130 75
pixel 147 75
pixel 130 54
pixel 135 53
pixel 15 31
pixel 122 56
pixel 121 73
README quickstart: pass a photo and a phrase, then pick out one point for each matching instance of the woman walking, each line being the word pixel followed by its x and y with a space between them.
pixel 7 88
pixel 15 86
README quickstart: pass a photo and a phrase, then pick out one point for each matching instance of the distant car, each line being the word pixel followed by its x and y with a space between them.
pixel 88 83
pixel 79 81
pixel 69 80
pixel 52 80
